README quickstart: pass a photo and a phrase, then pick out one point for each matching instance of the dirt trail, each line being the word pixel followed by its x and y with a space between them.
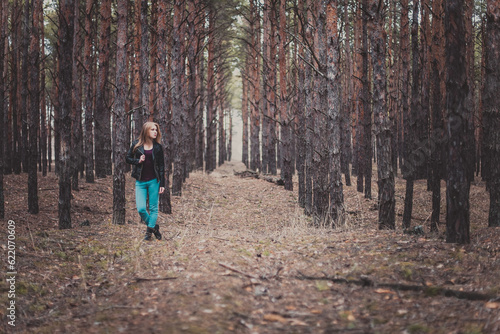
pixel 233 260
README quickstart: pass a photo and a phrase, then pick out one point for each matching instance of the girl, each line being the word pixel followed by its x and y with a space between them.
pixel 146 156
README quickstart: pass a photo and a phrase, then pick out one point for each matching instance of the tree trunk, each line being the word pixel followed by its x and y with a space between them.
pixel 192 81
pixel 164 204
pixel 286 133
pixel 76 131
pixel 144 62
pixel 393 85
pixel 200 87
pixel 43 104
pixel 266 87
pixel 66 26
pixel 320 155
pixel 15 154
pixel 437 137
pixel 222 131
pixel 358 165
pixel 425 88
pixel 88 93
pixel 491 117
pixel 34 115
pixel 152 73
pixel 7 135
pixel 301 119
pixel 457 182
pixel 178 116
pixel 308 206
pixel 386 200
pixel 471 98
pixel 210 157
pixel 136 88
pixel 255 162
pixel 271 128
pixel 346 152
pixel 334 100
pixel 102 129
pixel 244 115
pixel 24 104
pixel 367 115
pixel 119 125
pixel 406 112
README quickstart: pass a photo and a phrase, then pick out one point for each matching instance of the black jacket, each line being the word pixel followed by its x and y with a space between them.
pixel 158 161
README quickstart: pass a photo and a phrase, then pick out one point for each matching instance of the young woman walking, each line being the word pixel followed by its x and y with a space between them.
pixel 146 156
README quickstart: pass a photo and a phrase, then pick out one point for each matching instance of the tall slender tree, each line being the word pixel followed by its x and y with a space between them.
pixel 491 118
pixel 301 116
pixel 76 128
pixel 210 111
pixel 144 54
pixel 367 151
pixel 34 115
pixel 457 181
pixel 346 152
pixel 437 137
pixel 321 195
pixel 254 98
pixel 14 107
pixel 66 26
pixel 286 131
pixel 178 109
pixel 383 134
pixel 165 204
pixel 244 114
pixel 88 93
pixel 102 129
pixel 272 86
pixel 43 102
pixel 119 120
pixel 24 86
pixel 359 109
pixel 407 113
pixel 334 129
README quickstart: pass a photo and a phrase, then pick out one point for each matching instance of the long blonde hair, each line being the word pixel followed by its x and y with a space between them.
pixel 144 133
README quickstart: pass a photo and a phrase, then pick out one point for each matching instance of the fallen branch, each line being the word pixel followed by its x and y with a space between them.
pixel 273 179
pixel 247 173
pixel 428 290
pixel 237 271
pixel 269 178
pixel 142 279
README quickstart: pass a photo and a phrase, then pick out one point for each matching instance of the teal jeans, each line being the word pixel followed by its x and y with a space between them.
pixel 142 190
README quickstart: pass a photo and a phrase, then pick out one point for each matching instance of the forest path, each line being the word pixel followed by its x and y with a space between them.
pixel 232 260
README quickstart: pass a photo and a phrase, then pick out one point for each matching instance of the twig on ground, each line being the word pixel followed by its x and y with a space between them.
pixel 431 290
pixel 237 271
pixel 144 279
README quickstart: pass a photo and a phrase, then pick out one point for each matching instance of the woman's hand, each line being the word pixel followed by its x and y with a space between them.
pixel 142 158
pixel 162 189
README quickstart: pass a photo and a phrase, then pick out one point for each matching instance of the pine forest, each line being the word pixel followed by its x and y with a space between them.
pixel 323 166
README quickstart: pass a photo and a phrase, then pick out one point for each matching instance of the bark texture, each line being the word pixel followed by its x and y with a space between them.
pixel 66 26
pixel 334 100
pixel 491 104
pixel 383 134
pixel 457 182
pixel 102 130
pixel 119 124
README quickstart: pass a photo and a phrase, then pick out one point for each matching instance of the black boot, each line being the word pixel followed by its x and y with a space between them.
pixel 156 231
pixel 149 231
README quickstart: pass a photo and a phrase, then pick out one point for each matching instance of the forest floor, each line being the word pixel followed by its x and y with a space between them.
pixel 239 256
